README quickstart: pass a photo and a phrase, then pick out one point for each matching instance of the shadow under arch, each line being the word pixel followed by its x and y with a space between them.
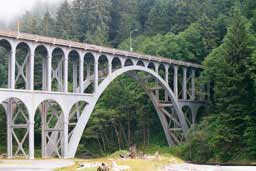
pixel 49 118
pixel 17 115
pixel 78 131
pixel 188 115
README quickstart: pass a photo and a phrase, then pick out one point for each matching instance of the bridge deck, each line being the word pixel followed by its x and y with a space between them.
pixel 90 47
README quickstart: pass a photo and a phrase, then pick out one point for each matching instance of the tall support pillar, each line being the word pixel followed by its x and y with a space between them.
pixel 175 81
pixel 66 72
pixel 74 74
pixel 81 74
pixel 96 74
pixel 12 69
pixel 44 67
pixel 184 84
pixel 65 138
pixel 166 80
pixel 157 71
pixel 31 69
pixel 49 73
pixel 193 85
pixel 9 129
pixel 31 140
pixel 109 66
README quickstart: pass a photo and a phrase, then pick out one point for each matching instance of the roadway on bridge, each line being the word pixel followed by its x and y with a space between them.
pixel 33 165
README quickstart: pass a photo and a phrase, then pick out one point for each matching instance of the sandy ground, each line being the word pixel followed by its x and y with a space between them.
pixel 192 167
pixel 33 165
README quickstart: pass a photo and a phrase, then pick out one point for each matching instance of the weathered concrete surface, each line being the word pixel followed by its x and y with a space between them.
pixel 33 165
pixel 193 167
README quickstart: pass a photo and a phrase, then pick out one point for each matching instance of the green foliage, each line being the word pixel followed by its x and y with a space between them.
pixel 226 130
pixel 222 30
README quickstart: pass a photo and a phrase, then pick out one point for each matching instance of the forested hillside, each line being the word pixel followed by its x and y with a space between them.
pixel 220 34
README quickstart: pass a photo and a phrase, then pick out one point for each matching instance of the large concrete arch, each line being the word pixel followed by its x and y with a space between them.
pixel 78 131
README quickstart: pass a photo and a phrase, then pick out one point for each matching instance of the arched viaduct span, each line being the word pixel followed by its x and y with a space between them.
pixel 61 81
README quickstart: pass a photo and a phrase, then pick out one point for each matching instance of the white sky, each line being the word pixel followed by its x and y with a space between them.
pixel 11 8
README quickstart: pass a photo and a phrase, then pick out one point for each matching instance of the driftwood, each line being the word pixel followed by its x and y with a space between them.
pixel 103 167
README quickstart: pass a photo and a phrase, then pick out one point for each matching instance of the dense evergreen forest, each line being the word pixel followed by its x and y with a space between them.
pixel 220 34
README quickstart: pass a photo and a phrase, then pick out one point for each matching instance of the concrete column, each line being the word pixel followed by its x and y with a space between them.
pixel 31 70
pixel 65 139
pixel 109 66
pixel 75 65
pixel 96 74
pixel 81 74
pixel 122 62
pixel 184 84
pixel 157 91
pixel 31 140
pixel 175 81
pixel 44 67
pixel 66 73
pixel 193 85
pixel 166 80
pixel 49 73
pixel 9 129
pixel 12 69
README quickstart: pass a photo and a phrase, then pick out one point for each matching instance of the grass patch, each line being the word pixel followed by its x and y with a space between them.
pixel 154 164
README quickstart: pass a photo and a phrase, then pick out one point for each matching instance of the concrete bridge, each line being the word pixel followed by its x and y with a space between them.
pixel 61 81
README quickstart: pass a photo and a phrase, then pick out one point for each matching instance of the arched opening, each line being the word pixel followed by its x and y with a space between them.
pixel 140 63
pixel 128 62
pixel 188 115
pixel 73 71
pixel 3 132
pixel 40 68
pixel 58 70
pixel 152 66
pixel 120 120
pixel 103 67
pixel 171 77
pixel 116 64
pixel 22 57
pixel 5 51
pixel 17 128
pixel 89 80
pixel 74 115
pixel 49 119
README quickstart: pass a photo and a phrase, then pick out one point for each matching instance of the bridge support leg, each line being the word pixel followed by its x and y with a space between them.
pixel 12 69
pixel 9 130
pixel 175 81
pixel 167 81
pixel 184 84
pixel 193 85
pixel 31 140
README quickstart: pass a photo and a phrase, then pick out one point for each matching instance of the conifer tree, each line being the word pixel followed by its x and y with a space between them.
pixel 63 21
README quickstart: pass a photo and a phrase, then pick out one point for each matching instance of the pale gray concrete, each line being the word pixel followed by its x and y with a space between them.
pixel 33 165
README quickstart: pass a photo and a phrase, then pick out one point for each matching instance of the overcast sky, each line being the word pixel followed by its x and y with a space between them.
pixel 10 8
